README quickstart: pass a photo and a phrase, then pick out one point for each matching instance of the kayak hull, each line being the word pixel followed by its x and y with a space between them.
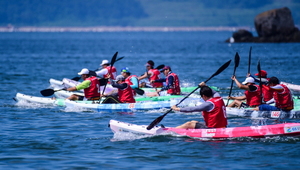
pixel 121 107
pixel 287 129
pixel 247 113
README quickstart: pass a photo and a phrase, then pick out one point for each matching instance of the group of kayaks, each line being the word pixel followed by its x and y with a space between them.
pixel 142 102
pixel 165 102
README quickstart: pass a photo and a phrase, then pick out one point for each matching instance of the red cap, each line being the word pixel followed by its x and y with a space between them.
pixel 166 67
pixel 262 72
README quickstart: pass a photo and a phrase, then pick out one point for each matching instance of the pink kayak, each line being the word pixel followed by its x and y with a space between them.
pixel 285 129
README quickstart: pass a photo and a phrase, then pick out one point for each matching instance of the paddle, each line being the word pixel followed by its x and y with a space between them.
pixel 249 60
pixel 260 84
pixel 49 92
pixel 139 91
pixel 236 64
pixel 112 62
pixel 93 73
pixel 157 120
pixel 160 67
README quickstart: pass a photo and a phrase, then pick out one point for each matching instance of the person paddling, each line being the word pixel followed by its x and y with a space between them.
pixel 262 77
pixel 172 83
pixel 213 110
pixel 282 97
pixel 125 92
pixel 132 80
pixel 151 74
pixel 105 71
pixel 90 85
pixel 252 94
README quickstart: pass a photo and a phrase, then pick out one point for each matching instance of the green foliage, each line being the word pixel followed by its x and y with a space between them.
pixel 101 12
pixel 138 12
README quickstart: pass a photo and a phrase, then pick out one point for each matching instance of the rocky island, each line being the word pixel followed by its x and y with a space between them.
pixel 273 26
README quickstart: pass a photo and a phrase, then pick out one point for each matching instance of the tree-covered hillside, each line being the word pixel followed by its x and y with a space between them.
pixel 70 12
pixel 138 12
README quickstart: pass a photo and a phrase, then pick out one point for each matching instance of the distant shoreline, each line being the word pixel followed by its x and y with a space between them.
pixel 118 29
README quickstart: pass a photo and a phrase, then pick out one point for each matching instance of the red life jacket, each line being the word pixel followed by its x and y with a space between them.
pixel 111 70
pixel 284 100
pixel 155 76
pixel 253 97
pixel 93 89
pixel 267 93
pixel 175 90
pixel 216 117
pixel 128 81
pixel 126 95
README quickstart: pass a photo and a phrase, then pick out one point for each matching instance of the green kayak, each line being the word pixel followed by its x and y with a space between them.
pixel 183 89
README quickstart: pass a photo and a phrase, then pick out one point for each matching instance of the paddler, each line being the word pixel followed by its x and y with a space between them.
pixel 252 94
pixel 152 74
pixel 132 80
pixel 262 77
pixel 282 97
pixel 213 110
pixel 106 70
pixel 90 85
pixel 125 92
pixel 172 84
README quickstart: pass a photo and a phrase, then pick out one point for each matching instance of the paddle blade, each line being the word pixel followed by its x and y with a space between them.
pixel 47 92
pixel 119 59
pixel 260 84
pixel 112 62
pixel 258 68
pixel 76 78
pixel 236 60
pixel 222 68
pixel 93 73
pixel 160 67
pixel 157 120
pixel 139 91
pixel 249 60
pixel 113 59
pixel 103 82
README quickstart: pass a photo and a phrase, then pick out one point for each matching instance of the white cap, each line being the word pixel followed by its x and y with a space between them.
pixel 104 62
pixel 84 71
pixel 248 80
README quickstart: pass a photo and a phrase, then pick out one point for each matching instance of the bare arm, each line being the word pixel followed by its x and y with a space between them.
pixel 240 85
pixel 146 75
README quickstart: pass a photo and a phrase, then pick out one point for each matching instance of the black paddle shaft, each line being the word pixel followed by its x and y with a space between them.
pixel 236 64
pixel 112 62
pixel 249 60
pixel 260 84
pixel 159 119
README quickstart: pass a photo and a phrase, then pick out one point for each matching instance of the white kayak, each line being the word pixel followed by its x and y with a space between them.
pixel 66 83
pixel 286 129
pixel 291 86
pixel 42 100
pixel 34 99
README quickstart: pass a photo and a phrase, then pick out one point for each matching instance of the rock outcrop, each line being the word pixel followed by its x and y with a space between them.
pixel 275 25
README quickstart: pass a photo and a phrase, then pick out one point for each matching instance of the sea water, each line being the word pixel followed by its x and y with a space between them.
pixel 45 137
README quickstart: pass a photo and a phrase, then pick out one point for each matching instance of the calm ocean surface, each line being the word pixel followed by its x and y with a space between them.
pixel 39 137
